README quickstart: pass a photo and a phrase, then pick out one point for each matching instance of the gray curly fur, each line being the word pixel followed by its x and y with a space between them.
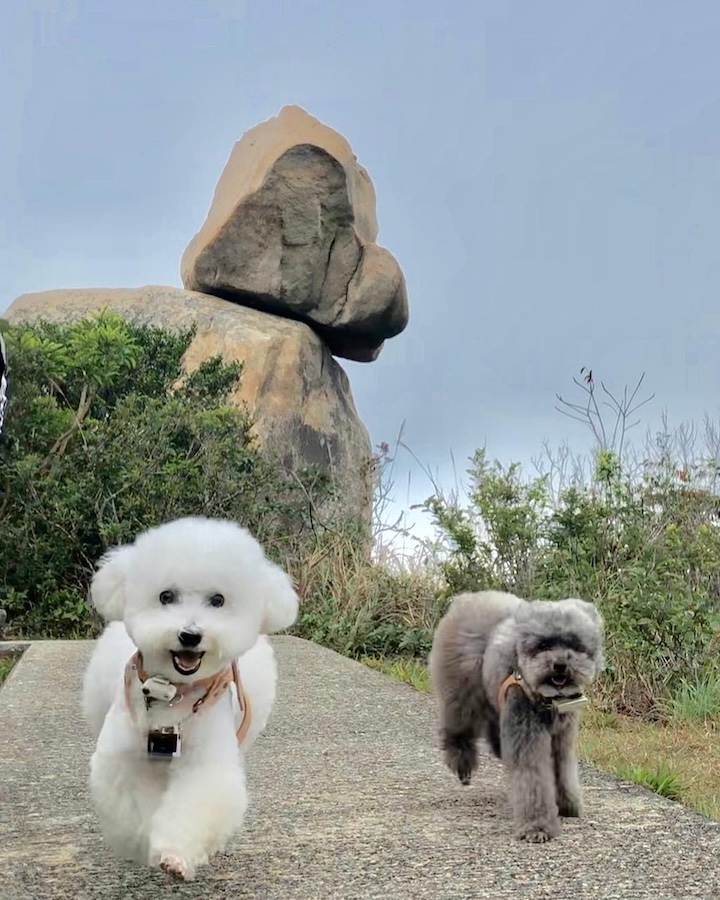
pixel 557 650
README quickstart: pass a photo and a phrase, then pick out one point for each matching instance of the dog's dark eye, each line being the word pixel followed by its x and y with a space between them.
pixel 567 641
pixel 167 597
pixel 216 600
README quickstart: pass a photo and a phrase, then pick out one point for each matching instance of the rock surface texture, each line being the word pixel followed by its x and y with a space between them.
pixel 292 230
pixel 299 396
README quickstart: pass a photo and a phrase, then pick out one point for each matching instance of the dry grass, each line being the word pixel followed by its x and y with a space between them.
pixel 360 607
pixel 678 759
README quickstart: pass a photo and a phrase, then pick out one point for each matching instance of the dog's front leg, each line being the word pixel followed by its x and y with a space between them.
pixel 527 753
pixel 567 779
pixel 204 803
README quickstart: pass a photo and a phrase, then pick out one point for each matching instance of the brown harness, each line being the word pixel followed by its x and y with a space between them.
pixel 214 687
pixel 511 681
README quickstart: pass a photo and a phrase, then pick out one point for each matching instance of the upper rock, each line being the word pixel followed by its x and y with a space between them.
pixel 291 230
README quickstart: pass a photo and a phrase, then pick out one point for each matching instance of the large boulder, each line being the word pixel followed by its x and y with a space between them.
pixel 292 230
pixel 298 394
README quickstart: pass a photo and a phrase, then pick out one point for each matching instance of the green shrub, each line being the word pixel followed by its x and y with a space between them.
pixel 493 540
pixel 106 435
pixel 646 550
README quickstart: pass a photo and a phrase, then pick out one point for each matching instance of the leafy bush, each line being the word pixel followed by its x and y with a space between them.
pixel 107 435
pixel 646 550
pixel 493 540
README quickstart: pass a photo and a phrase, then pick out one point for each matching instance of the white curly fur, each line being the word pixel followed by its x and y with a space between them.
pixel 174 814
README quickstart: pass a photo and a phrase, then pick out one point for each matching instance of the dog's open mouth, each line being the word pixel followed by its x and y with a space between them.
pixel 558 681
pixel 186 662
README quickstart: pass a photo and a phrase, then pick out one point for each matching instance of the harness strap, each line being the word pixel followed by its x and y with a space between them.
pixel 214 687
pixel 511 681
pixel 244 703
pixel 544 704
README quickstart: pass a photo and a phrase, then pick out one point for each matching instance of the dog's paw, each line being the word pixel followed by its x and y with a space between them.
pixel 464 773
pixel 176 866
pixel 536 834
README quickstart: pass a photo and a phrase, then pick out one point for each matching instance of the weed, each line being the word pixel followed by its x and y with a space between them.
pixel 6 665
pixel 695 700
pixel 661 779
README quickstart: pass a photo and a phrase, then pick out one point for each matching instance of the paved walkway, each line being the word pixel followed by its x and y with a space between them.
pixel 350 800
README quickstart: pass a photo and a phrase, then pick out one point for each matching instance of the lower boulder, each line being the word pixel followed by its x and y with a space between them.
pixel 298 395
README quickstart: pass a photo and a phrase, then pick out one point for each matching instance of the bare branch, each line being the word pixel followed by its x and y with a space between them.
pixel 632 409
pixel 583 420
pixel 590 412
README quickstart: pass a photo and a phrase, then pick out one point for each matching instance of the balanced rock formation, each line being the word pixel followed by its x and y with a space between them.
pixel 284 274
pixel 299 396
pixel 292 230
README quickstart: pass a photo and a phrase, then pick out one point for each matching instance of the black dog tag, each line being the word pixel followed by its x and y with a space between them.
pixel 164 743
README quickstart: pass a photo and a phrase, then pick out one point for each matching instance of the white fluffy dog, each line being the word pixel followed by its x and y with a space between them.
pixel 180 685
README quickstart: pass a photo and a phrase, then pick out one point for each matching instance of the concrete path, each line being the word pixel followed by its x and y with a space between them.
pixel 350 800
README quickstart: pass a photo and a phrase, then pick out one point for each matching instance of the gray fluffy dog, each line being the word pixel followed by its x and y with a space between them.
pixel 504 669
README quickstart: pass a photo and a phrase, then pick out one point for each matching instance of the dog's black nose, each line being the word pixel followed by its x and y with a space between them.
pixel 189 638
pixel 559 668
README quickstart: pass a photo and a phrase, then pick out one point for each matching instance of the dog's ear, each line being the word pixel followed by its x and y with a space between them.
pixel 107 588
pixel 281 601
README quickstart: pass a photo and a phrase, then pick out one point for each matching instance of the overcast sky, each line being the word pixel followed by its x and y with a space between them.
pixel 548 175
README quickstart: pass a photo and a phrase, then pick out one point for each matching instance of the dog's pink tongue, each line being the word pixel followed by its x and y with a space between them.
pixel 187 659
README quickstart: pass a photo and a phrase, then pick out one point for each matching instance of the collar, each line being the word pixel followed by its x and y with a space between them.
pixel 181 693
pixel 546 704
